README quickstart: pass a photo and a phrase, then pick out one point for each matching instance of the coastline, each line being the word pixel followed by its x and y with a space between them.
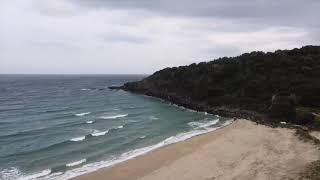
pixel 242 150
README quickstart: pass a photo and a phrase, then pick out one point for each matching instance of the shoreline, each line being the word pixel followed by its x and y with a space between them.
pixel 136 153
pixel 242 145
pixel 224 111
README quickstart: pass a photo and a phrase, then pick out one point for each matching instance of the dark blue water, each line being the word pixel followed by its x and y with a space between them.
pixel 58 127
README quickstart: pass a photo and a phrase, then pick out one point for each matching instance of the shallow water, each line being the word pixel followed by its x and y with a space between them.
pixel 58 127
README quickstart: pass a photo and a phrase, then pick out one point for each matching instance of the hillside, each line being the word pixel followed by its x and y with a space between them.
pixel 245 82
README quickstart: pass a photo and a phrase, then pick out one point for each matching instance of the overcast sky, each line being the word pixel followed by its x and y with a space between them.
pixel 142 36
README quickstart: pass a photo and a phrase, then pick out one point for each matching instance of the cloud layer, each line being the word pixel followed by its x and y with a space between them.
pixel 141 36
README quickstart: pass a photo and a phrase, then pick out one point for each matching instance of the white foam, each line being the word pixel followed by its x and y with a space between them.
pixel 153 118
pixel 197 124
pixel 142 137
pixel 53 176
pixel 10 173
pixel 15 174
pixel 76 163
pixel 37 175
pixel 191 110
pixel 132 154
pixel 102 133
pixel 89 122
pixel 99 133
pixel 114 117
pixel 83 114
pixel 84 89
pixel 226 123
pixel 78 138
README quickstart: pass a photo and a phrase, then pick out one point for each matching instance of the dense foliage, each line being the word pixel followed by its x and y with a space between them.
pixel 247 81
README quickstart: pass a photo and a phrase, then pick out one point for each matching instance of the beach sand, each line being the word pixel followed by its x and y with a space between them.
pixel 240 151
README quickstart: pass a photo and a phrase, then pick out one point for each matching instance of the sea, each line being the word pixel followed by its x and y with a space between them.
pixel 62 126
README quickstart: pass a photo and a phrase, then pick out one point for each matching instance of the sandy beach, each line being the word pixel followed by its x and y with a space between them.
pixel 242 151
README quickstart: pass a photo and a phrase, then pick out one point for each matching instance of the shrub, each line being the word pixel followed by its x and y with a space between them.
pixel 304 116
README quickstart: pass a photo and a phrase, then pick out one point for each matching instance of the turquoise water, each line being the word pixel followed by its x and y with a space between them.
pixel 58 127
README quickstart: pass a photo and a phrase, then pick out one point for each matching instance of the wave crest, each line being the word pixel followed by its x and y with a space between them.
pixel 99 133
pixel 114 117
pixel 76 163
pixel 82 114
pixel 81 138
pixel 153 118
pixel 199 125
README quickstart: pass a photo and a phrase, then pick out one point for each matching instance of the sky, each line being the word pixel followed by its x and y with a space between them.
pixel 143 36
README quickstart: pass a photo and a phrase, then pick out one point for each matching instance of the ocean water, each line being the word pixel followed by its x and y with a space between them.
pixel 58 127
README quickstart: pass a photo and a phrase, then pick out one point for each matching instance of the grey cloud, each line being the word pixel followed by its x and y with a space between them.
pixel 267 9
pixel 53 44
pixel 56 8
pixel 141 36
pixel 125 38
pixel 254 13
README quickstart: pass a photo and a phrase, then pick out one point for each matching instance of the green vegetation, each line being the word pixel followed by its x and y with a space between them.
pixel 246 82
pixel 313 114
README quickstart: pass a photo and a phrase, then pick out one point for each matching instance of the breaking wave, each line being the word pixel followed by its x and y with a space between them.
pixel 82 114
pixel 207 124
pixel 15 174
pixel 99 133
pixel 114 117
pixel 81 138
pixel 76 163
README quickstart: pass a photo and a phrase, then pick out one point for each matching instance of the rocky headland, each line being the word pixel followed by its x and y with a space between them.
pixel 267 88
